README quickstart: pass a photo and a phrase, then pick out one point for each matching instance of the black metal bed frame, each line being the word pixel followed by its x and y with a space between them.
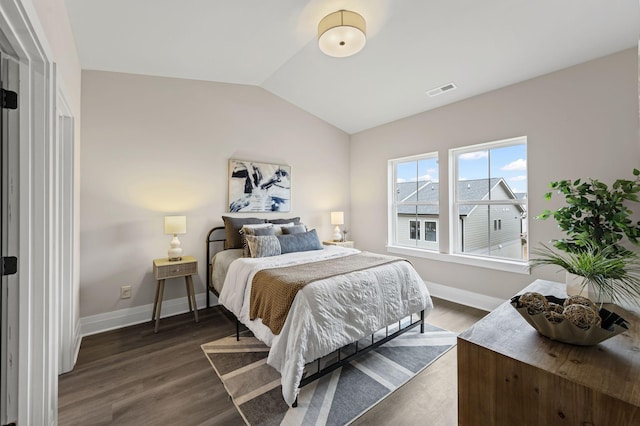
pixel 217 236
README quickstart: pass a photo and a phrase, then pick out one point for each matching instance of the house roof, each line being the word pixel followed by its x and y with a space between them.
pixel 428 191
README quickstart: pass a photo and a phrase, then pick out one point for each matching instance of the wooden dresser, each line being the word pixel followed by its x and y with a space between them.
pixel 508 374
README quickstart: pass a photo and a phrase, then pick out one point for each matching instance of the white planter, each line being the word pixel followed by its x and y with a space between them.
pixel 575 285
pixel 575 288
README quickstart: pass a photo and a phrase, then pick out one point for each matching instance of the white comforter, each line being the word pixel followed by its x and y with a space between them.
pixel 325 314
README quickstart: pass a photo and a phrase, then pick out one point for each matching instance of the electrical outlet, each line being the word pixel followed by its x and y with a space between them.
pixel 125 292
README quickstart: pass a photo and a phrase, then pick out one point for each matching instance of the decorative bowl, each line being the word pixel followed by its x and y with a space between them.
pixel 566 332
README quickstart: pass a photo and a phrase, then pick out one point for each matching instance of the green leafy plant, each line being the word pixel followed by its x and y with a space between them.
pixel 596 221
pixel 614 274
pixel 595 214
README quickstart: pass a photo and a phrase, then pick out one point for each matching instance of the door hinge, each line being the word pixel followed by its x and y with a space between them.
pixel 9 99
pixel 9 265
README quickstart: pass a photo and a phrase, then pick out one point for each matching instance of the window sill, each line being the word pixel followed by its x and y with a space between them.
pixel 496 264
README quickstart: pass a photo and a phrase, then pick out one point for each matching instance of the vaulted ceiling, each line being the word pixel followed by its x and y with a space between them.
pixel 412 46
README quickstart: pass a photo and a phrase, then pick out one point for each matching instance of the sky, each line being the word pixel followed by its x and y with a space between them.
pixel 508 162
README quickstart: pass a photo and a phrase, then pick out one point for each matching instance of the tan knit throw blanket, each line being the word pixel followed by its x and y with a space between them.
pixel 273 290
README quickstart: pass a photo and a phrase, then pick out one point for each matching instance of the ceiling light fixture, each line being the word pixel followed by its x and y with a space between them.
pixel 342 34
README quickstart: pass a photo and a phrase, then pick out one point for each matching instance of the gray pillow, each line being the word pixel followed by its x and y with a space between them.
pixel 232 226
pixel 265 246
pixel 306 241
pixel 295 220
pixel 295 229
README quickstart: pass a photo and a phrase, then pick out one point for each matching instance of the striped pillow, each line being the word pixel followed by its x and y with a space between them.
pixel 264 246
pixel 257 230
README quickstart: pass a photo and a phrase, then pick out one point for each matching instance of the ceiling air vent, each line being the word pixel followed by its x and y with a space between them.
pixel 439 90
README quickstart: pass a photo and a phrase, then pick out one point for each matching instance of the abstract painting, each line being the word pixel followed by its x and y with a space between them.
pixel 259 187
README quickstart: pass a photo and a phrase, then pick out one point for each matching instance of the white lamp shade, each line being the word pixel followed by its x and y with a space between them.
pixel 337 218
pixel 342 34
pixel 175 225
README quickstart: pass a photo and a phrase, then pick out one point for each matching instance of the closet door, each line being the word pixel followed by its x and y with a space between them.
pixel 8 238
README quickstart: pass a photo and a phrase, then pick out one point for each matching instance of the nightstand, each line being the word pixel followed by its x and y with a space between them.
pixel 164 269
pixel 349 244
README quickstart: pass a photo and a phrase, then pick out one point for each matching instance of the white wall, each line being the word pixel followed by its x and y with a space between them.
pixel 154 146
pixel 580 122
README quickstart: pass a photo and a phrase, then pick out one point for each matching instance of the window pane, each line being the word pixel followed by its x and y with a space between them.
pixel 406 181
pixel 497 231
pixel 428 190
pixel 479 171
pixel 473 175
pixel 509 163
pixel 406 231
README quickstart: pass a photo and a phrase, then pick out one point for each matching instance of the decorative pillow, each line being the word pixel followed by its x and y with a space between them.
pixel 232 226
pixel 294 229
pixel 304 241
pixel 278 229
pixel 255 230
pixel 295 220
pixel 264 246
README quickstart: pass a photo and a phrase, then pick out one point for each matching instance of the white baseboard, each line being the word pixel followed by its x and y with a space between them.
pixel 464 297
pixel 125 317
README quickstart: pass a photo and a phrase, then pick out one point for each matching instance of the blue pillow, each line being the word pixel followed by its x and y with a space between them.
pixel 305 241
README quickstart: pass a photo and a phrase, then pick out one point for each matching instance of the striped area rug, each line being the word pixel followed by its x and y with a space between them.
pixel 337 398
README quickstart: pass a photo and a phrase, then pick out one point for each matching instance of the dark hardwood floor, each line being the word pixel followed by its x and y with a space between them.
pixel 133 376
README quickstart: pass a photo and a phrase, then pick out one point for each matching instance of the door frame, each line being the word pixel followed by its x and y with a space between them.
pixel 38 235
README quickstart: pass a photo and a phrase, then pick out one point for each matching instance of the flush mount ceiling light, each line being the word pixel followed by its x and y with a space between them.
pixel 342 33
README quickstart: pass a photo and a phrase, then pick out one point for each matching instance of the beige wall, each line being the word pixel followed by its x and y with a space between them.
pixel 153 146
pixel 580 122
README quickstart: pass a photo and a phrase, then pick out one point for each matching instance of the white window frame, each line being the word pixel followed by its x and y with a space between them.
pixel 445 228
pixel 454 231
pixel 392 235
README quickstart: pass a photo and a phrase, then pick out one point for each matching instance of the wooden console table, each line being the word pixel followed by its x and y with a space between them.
pixel 508 374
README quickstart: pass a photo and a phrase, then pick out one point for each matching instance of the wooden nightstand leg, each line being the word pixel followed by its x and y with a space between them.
pixel 186 283
pixel 160 295
pixel 155 301
pixel 191 294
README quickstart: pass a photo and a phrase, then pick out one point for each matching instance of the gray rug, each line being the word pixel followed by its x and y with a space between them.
pixel 337 398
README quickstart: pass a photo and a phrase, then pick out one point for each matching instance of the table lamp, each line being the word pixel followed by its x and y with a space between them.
pixel 175 225
pixel 337 219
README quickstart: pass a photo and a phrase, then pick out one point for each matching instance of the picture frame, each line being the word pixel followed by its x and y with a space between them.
pixel 259 187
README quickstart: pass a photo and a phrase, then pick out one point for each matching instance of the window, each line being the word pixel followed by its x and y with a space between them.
pixel 414 199
pixel 489 193
pixel 414 230
pixel 430 231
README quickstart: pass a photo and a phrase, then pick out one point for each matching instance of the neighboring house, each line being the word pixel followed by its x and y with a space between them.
pixel 483 228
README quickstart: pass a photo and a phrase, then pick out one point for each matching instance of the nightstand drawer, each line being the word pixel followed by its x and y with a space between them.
pixel 349 244
pixel 163 269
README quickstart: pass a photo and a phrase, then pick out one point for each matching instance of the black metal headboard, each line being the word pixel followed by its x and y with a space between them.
pixel 215 242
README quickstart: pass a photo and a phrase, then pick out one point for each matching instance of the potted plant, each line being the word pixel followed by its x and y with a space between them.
pixel 596 222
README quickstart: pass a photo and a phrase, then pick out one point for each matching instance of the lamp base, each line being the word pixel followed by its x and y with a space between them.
pixel 175 251
pixel 337 235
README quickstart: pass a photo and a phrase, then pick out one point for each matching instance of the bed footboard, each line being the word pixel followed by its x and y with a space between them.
pixel 354 351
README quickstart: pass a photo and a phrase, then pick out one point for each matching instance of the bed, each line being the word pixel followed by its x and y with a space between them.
pixel 331 319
